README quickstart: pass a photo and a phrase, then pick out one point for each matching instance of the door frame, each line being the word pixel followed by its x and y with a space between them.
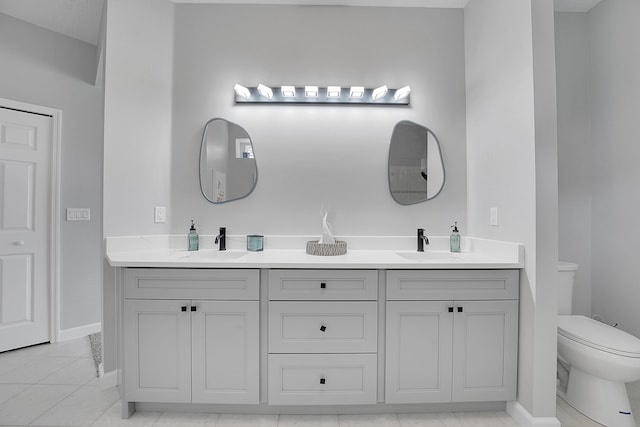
pixel 54 232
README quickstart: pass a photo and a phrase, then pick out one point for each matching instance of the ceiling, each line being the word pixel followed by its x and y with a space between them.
pixel 80 19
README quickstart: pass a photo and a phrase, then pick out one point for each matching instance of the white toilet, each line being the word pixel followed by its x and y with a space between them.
pixel 595 360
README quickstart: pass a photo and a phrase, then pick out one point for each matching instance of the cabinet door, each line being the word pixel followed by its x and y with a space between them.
pixel 418 351
pixel 485 350
pixel 225 352
pixel 157 359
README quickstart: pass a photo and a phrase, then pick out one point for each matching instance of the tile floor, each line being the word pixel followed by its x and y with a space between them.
pixel 55 385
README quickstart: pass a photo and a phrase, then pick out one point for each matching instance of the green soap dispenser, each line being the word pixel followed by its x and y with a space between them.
pixel 192 238
pixel 454 239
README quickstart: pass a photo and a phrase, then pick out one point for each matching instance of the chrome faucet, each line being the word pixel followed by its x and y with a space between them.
pixel 422 240
pixel 222 238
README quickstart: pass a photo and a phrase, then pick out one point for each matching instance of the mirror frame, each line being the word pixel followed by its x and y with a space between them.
pixel 444 172
pixel 202 142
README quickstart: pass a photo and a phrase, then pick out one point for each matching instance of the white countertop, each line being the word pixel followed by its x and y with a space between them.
pixel 365 252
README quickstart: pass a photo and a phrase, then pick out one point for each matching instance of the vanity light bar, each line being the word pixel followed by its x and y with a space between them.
pixel 263 94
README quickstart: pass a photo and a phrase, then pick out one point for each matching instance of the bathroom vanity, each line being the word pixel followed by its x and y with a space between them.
pixel 281 331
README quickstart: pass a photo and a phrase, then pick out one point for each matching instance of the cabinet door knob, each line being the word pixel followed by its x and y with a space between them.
pixel 450 309
pixel 459 309
pixel 193 308
pixel 322 381
pixel 183 308
pixel 323 285
pixel 323 328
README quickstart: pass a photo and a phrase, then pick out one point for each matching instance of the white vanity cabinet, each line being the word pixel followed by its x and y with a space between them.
pixel 191 335
pixel 451 335
pixel 323 330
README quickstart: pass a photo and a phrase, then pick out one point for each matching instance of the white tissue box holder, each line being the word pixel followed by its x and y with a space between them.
pixel 326 249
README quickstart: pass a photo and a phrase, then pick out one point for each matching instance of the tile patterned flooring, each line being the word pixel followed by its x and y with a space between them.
pixel 54 385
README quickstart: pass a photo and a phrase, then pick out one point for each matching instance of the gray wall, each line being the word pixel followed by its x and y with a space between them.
pixel 45 68
pixel 307 155
pixel 511 164
pixel 614 64
pixel 575 169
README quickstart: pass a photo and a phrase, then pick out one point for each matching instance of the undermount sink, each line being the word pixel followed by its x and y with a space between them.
pixel 430 256
pixel 208 255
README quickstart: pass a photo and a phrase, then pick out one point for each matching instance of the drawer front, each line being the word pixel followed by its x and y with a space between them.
pixel 323 327
pixel 452 284
pixel 323 284
pixel 322 379
pixel 175 283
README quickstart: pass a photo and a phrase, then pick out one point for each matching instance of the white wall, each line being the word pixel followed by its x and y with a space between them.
pixel 137 130
pixel 45 68
pixel 310 154
pixel 575 169
pixel 511 164
pixel 614 64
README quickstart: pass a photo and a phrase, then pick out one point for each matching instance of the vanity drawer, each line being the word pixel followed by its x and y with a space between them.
pixel 323 327
pixel 323 284
pixel 452 284
pixel 189 283
pixel 322 379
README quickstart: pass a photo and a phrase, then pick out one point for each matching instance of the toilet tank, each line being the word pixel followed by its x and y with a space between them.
pixel 566 272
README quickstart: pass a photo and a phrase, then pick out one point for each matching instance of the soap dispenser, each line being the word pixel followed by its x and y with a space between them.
pixel 192 238
pixel 454 239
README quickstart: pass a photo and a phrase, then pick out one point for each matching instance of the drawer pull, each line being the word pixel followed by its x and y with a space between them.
pixel 459 309
pixel 193 308
pixel 323 285
pixel 183 308
pixel 323 328
pixel 322 381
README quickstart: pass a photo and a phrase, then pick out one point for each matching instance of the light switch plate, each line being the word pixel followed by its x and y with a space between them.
pixel 78 214
pixel 160 214
pixel 493 216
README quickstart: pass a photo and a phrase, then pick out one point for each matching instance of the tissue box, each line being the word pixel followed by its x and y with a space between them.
pixel 326 249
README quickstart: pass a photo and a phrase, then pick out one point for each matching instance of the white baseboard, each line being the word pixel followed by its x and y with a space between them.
pixel 108 380
pixel 79 332
pixel 525 419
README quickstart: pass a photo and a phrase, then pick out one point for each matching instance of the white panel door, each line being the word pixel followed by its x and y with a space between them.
pixel 225 352
pixel 25 200
pixel 418 356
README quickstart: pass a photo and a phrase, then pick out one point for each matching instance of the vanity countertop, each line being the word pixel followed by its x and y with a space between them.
pixel 289 252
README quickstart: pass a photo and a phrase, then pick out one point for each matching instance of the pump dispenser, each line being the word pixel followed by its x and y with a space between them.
pixel 454 239
pixel 192 238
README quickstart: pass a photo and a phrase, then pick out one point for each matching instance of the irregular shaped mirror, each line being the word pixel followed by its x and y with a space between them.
pixel 228 168
pixel 416 169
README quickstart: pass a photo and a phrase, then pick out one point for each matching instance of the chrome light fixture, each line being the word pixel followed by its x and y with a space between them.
pixel 263 94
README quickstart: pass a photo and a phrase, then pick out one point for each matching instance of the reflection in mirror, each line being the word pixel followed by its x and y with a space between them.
pixel 416 169
pixel 228 168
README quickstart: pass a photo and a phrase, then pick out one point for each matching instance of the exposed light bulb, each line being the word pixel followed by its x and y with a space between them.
pixel 379 92
pixel 242 91
pixel 401 93
pixel 265 91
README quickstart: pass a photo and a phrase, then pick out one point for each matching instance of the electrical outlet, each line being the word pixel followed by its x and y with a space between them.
pixel 160 214
pixel 493 216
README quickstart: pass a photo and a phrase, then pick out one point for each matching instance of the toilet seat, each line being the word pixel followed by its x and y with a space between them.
pixel 598 335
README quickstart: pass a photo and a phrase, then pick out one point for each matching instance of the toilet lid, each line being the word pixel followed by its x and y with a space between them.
pixel 598 335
